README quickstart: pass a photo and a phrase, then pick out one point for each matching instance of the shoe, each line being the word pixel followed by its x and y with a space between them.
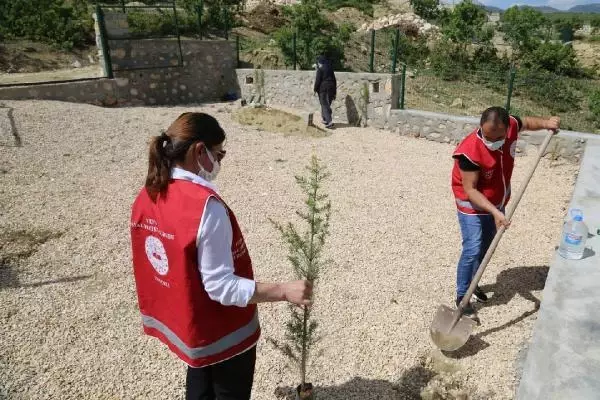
pixel 468 310
pixel 330 126
pixel 479 295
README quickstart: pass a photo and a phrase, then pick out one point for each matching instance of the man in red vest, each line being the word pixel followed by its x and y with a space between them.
pixel 481 176
pixel 193 273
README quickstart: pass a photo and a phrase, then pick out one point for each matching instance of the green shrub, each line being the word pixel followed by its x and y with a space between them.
pixel 411 51
pixel 547 90
pixel 449 61
pixel 554 57
pixel 64 24
pixel 315 35
pixel 160 22
pixel 594 105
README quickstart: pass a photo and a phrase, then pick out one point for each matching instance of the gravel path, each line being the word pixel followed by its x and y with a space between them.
pixel 69 324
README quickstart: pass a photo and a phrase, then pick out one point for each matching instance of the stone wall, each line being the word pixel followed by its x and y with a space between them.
pixel 295 89
pixel 447 128
pixel 207 74
pixel 94 91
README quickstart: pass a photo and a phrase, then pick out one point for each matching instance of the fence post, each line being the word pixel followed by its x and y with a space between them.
pixel 511 81
pixel 403 86
pixel 294 59
pixel 199 10
pixel 237 49
pixel 395 55
pixel 372 57
pixel 123 5
pixel 226 20
pixel 104 42
pixel 179 56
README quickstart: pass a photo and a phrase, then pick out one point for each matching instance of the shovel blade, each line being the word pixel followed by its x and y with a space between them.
pixel 446 336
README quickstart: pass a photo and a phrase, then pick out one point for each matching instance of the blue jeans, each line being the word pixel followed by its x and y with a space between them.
pixel 477 234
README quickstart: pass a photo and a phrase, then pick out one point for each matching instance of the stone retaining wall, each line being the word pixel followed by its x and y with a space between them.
pixel 295 89
pixel 447 128
pixel 207 74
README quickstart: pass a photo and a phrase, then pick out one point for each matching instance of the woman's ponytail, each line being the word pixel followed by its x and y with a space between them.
pixel 159 165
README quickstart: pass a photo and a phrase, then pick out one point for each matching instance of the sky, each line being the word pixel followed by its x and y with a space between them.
pixel 560 4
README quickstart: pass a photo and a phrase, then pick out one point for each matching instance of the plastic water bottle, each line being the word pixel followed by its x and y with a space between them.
pixel 574 235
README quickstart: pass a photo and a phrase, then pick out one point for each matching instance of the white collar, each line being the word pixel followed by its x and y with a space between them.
pixel 180 173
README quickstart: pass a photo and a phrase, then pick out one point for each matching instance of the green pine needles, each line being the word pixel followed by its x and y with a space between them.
pixel 306 257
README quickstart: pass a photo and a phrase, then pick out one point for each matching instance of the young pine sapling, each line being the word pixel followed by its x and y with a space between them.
pixel 306 257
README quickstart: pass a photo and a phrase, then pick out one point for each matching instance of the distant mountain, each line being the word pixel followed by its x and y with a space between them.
pixel 492 9
pixel 546 9
pixel 586 8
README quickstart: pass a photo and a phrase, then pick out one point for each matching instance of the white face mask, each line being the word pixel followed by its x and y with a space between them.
pixel 494 145
pixel 204 174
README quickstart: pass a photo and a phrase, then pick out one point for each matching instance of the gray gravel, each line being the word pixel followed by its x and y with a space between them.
pixel 69 324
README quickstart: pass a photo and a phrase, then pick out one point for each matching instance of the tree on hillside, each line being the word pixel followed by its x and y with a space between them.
pixel 315 35
pixel 466 24
pixel 595 23
pixel 427 9
pixel 522 28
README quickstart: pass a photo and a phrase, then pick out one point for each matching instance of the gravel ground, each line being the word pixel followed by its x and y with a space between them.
pixel 69 325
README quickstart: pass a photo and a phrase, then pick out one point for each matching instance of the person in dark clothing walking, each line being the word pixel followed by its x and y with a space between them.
pixel 326 88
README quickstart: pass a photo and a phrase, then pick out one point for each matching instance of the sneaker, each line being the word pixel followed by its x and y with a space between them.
pixel 330 126
pixel 468 310
pixel 479 295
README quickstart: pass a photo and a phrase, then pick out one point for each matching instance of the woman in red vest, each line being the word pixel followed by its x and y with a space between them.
pixel 193 274
pixel 483 168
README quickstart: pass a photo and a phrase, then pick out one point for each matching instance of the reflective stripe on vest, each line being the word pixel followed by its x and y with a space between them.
pixel 468 204
pixel 226 342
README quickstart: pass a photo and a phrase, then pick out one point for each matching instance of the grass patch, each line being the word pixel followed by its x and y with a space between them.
pixel 273 120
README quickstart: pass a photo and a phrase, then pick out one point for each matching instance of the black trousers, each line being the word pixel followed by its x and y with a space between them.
pixel 326 98
pixel 228 380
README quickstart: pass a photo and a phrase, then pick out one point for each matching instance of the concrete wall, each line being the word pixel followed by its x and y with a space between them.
pixel 447 128
pixel 295 89
pixel 563 359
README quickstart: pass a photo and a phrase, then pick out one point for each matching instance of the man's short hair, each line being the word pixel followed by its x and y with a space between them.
pixel 496 115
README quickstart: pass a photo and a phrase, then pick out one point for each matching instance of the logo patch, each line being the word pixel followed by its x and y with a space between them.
pixel 488 174
pixel 155 251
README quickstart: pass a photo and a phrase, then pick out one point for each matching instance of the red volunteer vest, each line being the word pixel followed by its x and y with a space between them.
pixel 175 307
pixel 496 169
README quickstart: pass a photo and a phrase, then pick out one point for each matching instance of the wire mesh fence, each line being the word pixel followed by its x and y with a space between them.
pixel 543 93
pixel 524 92
pixel 454 91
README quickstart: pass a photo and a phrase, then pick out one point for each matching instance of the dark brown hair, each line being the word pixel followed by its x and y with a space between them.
pixel 171 147
pixel 497 115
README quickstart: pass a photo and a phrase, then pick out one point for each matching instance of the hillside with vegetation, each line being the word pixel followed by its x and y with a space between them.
pixel 457 60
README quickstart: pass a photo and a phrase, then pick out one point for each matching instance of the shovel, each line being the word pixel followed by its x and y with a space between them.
pixel 449 329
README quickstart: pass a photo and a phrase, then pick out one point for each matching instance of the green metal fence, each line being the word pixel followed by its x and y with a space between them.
pixel 522 91
pixel 133 23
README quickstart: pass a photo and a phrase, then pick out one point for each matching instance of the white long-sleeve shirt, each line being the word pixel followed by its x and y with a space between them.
pixel 215 260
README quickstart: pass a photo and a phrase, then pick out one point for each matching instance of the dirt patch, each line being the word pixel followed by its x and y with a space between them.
pixel 348 15
pixel 272 120
pixel 27 56
pixel 266 18
pixel 15 247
